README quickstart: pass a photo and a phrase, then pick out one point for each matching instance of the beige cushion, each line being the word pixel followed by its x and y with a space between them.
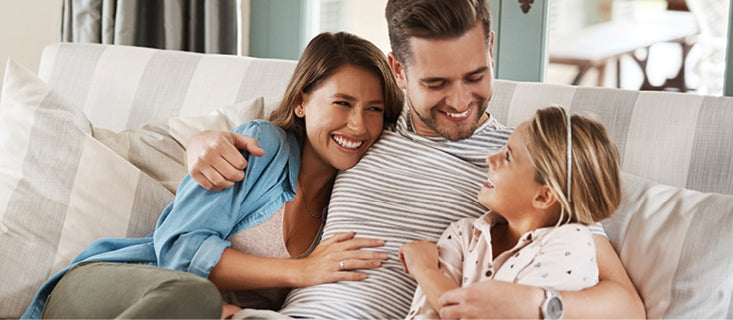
pixel 677 247
pixel 158 148
pixel 60 189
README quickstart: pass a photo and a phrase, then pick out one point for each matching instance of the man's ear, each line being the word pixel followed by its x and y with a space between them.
pixel 544 198
pixel 398 71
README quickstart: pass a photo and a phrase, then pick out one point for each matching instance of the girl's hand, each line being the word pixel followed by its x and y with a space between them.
pixel 334 259
pixel 419 255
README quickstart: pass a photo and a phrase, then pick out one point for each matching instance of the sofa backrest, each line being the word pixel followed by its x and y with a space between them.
pixel 123 87
pixel 681 140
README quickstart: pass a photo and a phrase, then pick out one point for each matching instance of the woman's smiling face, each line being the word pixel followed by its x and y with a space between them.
pixel 344 116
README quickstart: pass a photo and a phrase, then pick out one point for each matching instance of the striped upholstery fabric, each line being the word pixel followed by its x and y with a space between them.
pixel 677 139
pixel 60 189
pixel 120 87
pixel 686 136
pixel 676 245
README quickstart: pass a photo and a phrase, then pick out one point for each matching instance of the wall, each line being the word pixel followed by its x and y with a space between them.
pixel 28 26
pixel 372 24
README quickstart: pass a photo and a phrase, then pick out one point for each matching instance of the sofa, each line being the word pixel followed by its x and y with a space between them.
pixel 93 145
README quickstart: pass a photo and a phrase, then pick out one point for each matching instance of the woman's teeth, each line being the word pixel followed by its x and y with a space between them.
pixel 347 143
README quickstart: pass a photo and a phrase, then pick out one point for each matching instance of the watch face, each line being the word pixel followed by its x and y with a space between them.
pixel 554 308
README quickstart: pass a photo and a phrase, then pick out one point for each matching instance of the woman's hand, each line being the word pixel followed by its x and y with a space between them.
pixel 336 257
pixel 418 256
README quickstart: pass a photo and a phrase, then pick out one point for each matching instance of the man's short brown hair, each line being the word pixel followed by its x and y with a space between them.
pixel 433 19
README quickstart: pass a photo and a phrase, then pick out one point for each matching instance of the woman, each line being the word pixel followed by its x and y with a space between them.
pixel 244 239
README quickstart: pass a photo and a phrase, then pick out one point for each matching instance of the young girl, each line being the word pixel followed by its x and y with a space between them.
pixel 257 239
pixel 555 176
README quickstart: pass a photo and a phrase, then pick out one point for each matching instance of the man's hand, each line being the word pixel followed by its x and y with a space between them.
pixel 614 296
pixel 214 160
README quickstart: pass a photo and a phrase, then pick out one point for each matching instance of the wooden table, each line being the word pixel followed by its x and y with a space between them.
pixel 597 45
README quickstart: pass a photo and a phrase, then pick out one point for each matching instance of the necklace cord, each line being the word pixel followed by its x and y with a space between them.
pixel 305 200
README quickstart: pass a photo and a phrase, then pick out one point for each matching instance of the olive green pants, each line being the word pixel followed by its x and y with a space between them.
pixel 130 291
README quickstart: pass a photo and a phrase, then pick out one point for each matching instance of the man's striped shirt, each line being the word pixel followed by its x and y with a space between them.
pixel 407 187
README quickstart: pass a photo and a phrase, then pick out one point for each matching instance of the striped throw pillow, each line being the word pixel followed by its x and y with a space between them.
pixel 676 245
pixel 60 189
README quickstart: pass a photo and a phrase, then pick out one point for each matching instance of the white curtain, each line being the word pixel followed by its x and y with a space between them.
pixel 208 26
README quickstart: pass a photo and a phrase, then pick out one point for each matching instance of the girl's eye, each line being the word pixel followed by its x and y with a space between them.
pixel 506 156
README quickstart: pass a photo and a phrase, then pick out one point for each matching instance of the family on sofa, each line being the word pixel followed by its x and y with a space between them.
pixel 339 100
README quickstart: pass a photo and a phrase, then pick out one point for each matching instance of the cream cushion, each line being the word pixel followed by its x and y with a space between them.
pixel 65 183
pixel 159 148
pixel 677 247
pixel 60 189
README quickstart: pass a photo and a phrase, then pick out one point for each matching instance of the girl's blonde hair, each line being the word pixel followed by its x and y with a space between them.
pixel 595 177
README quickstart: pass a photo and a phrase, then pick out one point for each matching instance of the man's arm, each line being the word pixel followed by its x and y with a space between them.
pixel 214 160
pixel 613 297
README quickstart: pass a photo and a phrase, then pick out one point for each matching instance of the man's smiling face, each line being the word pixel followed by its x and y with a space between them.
pixel 448 83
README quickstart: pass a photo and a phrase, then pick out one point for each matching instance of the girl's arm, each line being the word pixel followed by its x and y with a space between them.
pixel 420 259
pixel 437 270
pixel 563 259
pixel 613 297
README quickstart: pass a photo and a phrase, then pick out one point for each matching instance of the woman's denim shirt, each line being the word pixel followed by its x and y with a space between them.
pixel 191 233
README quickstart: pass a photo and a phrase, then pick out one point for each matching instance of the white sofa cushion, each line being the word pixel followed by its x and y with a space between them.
pixel 60 189
pixel 677 247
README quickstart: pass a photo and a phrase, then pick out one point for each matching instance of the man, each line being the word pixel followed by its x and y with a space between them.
pixel 423 175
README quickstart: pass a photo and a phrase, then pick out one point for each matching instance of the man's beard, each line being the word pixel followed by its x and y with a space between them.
pixel 457 131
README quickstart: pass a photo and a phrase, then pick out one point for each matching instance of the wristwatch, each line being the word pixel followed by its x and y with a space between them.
pixel 552 306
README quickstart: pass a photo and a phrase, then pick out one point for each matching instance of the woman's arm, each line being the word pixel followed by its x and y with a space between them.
pixel 240 271
pixel 613 297
pixel 191 234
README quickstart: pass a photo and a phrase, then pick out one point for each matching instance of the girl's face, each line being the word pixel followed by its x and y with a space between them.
pixel 510 187
pixel 343 116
